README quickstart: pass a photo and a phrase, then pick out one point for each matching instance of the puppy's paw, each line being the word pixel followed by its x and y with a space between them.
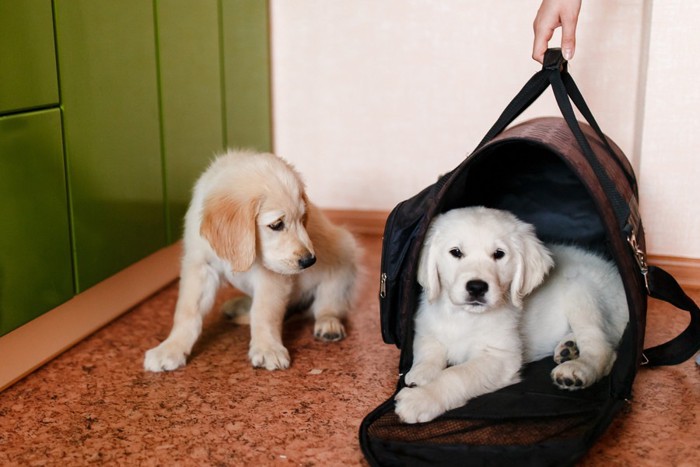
pixel 269 356
pixel 566 350
pixel 420 375
pixel 573 375
pixel 238 309
pixel 167 356
pixel 417 405
pixel 329 329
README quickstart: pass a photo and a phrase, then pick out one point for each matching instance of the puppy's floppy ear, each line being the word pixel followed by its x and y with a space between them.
pixel 428 275
pixel 228 224
pixel 533 262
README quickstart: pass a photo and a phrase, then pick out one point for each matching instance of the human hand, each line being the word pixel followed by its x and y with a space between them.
pixel 551 15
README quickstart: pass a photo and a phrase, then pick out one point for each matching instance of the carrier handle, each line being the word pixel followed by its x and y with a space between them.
pixel 553 70
pixel 679 349
pixel 553 62
pixel 579 101
pixel 620 206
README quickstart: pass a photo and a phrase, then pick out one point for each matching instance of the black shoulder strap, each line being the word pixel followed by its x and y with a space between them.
pixel 664 287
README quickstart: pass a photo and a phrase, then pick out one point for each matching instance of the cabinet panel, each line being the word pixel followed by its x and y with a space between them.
pixel 247 74
pixel 190 83
pixel 35 257
pixel 108 79
pixel 27 55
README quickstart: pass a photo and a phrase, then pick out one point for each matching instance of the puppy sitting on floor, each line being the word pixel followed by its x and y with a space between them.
pixel 251 224
pixel 485 310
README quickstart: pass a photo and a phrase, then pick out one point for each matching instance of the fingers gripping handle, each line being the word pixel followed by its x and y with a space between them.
pixel 554 60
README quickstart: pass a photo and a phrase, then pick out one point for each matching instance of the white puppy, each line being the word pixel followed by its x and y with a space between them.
pixel 251 224
pixel 481 313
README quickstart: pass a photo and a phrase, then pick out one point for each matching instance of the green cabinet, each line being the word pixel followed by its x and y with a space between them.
pixel 109 111
pixel 246 65
pixel 191 96
pixel 109 96
pixel 27 55
pixel 35 256
pixel 215 88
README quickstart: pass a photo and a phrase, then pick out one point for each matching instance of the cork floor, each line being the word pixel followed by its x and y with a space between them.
pixel 95 405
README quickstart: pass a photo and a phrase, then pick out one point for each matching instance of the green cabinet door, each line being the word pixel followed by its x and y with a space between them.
pixel 27 55
pixel 246 62
pixel 109 93
pixel 191 95
pixel 35 257
pixel 215 88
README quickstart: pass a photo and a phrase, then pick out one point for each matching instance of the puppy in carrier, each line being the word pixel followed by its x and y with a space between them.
pixel 494 297
pixel 516 288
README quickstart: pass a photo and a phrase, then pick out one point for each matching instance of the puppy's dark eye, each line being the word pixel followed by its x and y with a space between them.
pixel 277 225
pixel 456 252
pixel 498 254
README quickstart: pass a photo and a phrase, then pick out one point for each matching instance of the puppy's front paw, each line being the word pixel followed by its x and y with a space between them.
pixel 420 375
pixel 573 375
pixel 269 356
pixel 417 405
pixel 329 329
pixel 167 356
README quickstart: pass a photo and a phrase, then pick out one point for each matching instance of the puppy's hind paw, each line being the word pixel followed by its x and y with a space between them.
pixel 573 375
pixel 329 329
pixel 238 309
pixel 566 350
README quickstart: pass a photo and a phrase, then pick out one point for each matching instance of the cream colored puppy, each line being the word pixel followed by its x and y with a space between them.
pixel 485 310
pixel 251 224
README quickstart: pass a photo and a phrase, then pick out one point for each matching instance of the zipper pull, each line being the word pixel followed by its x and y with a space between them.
pixel 640 257
pixel 382 285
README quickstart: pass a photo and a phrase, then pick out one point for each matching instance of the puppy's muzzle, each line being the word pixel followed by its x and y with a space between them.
pixel 307 261
pixel 477 289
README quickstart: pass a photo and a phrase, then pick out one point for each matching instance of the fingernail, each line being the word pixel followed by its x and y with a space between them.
pixel 567 54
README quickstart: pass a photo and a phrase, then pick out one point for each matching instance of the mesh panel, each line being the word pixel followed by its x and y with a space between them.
pixel 473 432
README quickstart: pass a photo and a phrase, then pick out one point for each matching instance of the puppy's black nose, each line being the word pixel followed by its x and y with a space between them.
pixel 477 288
pixel 307 261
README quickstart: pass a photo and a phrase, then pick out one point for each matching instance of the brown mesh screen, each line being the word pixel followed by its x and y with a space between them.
pixel 480 432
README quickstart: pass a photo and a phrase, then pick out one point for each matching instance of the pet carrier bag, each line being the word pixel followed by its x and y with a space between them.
pixel 576 186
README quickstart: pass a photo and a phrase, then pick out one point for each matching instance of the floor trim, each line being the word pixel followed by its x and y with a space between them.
pixel 32 345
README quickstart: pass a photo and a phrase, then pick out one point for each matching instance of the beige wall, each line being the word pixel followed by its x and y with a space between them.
pixel 374 98
pixel 670 135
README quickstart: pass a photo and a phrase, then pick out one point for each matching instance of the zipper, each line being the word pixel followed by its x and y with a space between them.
pixel 634 221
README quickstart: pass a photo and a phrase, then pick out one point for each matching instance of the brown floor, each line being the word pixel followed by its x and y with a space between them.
pixel 95 404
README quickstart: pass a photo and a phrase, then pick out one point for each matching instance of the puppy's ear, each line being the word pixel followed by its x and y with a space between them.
pixel 428 275
pixel 229 226
pixel 533 262
pixel 309 208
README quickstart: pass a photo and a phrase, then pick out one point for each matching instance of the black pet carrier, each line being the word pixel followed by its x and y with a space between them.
pixel 576 186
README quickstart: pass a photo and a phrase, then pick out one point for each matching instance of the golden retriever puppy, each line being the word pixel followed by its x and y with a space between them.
pixel 486 308
pixel 250 224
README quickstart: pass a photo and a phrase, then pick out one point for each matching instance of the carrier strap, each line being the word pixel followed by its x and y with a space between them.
pixel 580 103
pixel 554 73
pixel 619 205
pixel 679 349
